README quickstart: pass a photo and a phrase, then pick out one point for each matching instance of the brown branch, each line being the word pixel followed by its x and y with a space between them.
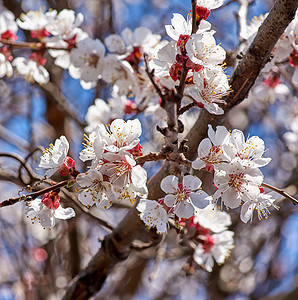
pixel 35 46
pixel 33 195
pixel 186 107
pixel 194 16
pixel 281 192
pixel 150 157
pixel 23 164
pixel 116 246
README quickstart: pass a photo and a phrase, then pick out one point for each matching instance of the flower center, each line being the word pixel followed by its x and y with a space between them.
pixel 91 60
pixel 182 193
pixel 122 168
pixel 236 180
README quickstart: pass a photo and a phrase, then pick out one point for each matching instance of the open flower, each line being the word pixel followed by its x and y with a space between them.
pixel 87 62
pixel 213 219
pixel 211 86
pixel 250 151
pixel 202 50
pixel 236 183
pixel 153 214
pixel 184 197
pixel 47 209
pixel 55 157
pixel 94 190
pixel 261 203
pixel 120 135
pixel 210 150
pixel 215 247
pixel 122 171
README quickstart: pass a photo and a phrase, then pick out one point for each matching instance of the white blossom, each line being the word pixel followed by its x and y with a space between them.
pixel 261 204
pixel 31 70
pixel 62 57
pixel 250 151
pixel 220 248
pixel 87 62
pixel 36 20
pixel 38 211
pixel 54 156
pixel 210 4
pixel 210 86
pixel 7 22
pixel 236 183
pixel 64 23
pixel 213 219
pixel 122 171
pixel 210 150
pixel 94 190
pixel 153 214
pixel 184 197
pixel 180 26
pixel 202 50
pixel 5 66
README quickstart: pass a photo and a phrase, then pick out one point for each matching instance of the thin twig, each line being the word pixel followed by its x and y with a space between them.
pixel 150 157
pixel 30 45
pixel 281 192
pixel 186 107
pixel 151 77
pixel 33 195
pixel 86 210
pixel 194 17
pixel 24 165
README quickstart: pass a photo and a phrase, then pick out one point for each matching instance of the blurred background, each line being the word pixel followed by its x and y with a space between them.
pixel 39 264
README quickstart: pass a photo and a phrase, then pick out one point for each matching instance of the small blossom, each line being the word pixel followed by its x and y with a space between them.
pixel 94 190
pixel 184 197
pixel 250 151
pixel 261 203
pixel 210 4
pixel 210 150
pixel 87 62
pixel 64 23
pixel 55 156
pixel 36 21
pixel 202 50
pixel 46 210
pixel 120 135
pixel 122 170
pixel 236 183
pixel 212 218
pixel 215 247
pixel 31 70
pixel 153 214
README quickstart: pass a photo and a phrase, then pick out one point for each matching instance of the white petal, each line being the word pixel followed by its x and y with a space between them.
pixel 169 184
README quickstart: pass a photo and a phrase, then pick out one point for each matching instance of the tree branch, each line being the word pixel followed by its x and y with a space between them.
pixel 116 246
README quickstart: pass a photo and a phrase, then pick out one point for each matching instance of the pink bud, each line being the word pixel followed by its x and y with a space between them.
pixel 51 200
pixel 67 166
pixel 130 107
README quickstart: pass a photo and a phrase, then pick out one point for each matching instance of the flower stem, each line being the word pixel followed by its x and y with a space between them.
pixel 281 192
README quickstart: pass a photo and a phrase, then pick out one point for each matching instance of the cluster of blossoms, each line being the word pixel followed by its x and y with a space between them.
pixel 237 177
pixel 208 229
pixel 119 59
pixel 113 172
